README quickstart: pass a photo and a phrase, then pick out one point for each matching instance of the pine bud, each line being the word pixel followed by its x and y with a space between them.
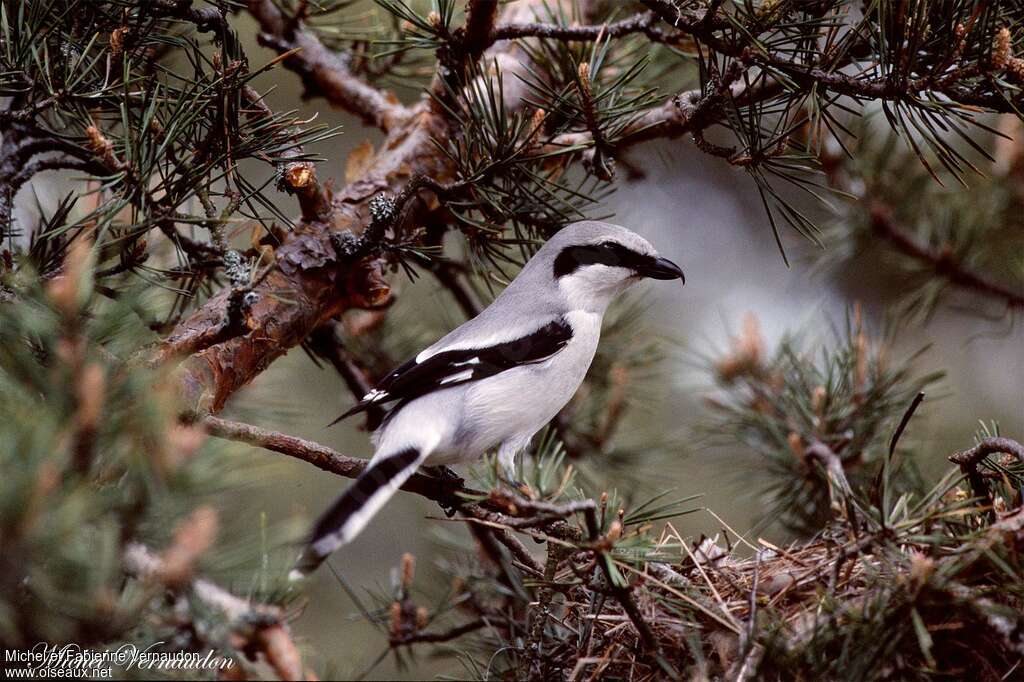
pixel 396 619
pixel 102 147
pixel 818 399
pixel 91 384
pixel 408 570
pixel 584 72
pixel 1015 70
pixel 1002 48
pixel 796 445
pixel 422 617
pixel 192 537
pixel 860 375
pixel 180 443
pixel 66 291
pixel 747 350
pixel 921 568
pixel 615 531
pixel 117 37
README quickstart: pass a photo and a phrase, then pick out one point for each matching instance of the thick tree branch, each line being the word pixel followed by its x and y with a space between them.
pixel 313 282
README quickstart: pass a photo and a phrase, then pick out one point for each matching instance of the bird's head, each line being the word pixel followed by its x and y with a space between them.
pixel 592 262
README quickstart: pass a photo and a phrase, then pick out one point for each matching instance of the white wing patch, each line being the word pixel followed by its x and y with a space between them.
pixel 459 376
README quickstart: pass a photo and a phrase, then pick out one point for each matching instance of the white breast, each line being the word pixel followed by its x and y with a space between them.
pixel 517 403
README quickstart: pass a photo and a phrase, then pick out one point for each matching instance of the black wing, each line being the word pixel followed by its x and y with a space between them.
pixel 453 367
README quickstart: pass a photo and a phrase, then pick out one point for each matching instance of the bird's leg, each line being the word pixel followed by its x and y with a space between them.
pixel 447 479
pixel 507 465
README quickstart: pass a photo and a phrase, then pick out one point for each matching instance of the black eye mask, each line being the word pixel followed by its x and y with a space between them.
pixel 571 258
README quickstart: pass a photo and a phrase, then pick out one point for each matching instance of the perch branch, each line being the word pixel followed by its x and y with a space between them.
pixel 323 457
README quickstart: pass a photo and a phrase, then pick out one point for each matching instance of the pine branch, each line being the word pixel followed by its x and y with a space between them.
pixel 310 268
pixel 705 27
pixel 325 343
pixel 440 491
pixel 263 626
pixel 641 23
pixel 323 72
pixel 942 263
pixel 437 637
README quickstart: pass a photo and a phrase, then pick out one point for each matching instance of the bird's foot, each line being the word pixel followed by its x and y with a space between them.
pixel 445 475
pixel 519 487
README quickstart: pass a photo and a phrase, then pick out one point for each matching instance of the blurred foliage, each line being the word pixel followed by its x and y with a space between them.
pixel 98 470
pixel 135 97
pixel 92 457
pixel 934 237
pixel 848 396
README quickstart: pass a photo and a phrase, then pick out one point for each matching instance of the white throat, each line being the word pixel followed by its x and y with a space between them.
pixel 593 288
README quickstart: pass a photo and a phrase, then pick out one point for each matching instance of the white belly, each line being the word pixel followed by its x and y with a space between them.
pixel 515 404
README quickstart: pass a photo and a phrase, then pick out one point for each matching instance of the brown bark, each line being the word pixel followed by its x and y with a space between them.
pixel 310 283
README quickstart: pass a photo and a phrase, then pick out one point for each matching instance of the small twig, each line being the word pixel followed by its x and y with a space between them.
pixel 324 341
pixel 942 262
pixel 435 637
pixel 448 276
pixel 531 663
pixel 323 72
pixel 968 461
pixel 988 446
pixel 622 594
pixel 322 457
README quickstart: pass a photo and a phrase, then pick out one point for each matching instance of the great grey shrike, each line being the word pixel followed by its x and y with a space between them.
pixel 495 381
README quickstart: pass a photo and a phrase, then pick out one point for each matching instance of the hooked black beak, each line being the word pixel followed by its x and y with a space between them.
pixel 661 268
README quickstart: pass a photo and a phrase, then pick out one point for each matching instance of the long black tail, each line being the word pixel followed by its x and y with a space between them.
pixel 350 513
